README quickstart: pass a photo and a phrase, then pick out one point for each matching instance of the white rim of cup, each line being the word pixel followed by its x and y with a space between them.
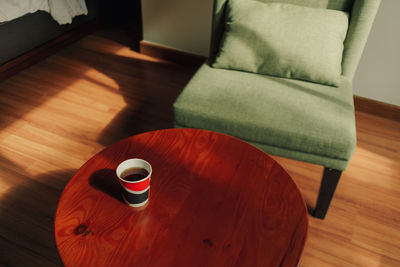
pixel 129 163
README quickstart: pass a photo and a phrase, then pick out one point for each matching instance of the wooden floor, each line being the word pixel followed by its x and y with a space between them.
pixel 57 114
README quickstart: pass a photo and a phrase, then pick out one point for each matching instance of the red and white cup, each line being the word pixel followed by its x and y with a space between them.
pixel 134 176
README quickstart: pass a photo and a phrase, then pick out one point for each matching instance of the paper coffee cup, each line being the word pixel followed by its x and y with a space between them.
pixel 134 176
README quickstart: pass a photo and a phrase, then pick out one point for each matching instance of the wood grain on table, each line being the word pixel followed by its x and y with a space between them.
pixel 214 200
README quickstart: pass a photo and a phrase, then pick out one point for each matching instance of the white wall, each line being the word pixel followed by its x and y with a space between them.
pixel 185 25
pixel 378 74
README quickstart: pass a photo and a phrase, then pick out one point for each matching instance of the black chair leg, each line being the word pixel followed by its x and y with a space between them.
pixel 329 182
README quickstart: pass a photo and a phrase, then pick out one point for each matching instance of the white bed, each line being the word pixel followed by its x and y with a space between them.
pixel 63 11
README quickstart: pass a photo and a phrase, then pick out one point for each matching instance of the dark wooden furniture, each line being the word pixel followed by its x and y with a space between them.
pixel 34 36
pixel 214 201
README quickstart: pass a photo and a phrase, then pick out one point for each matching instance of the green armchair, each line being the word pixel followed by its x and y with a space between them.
pixel 291 118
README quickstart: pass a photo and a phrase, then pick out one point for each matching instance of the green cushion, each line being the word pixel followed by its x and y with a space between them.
pixel 291 118
pixel 284 40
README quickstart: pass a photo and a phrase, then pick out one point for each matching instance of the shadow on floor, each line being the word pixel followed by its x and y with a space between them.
pixel 28 207
pixel 27 212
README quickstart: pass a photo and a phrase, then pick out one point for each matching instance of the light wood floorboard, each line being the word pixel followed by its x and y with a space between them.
pixel 58 113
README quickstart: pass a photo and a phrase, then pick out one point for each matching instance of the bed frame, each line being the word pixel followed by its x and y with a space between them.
pixel 32 37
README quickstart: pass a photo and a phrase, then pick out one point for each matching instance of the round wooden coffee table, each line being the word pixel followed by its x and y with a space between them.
pixel 214 201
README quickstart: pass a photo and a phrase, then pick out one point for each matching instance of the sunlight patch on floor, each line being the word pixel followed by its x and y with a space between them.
pixel 100 79
pixel 389 167
pixel 374 234
pixel 4 187
pixel 62 128
pixel 127 52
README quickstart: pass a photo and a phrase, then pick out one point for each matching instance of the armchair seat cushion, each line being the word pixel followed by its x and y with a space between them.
pixel 291 118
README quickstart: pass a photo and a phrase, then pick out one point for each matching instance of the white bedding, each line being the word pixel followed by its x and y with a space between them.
pixel 61 10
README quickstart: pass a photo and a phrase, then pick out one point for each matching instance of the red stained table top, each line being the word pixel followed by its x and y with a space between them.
pixel 214 201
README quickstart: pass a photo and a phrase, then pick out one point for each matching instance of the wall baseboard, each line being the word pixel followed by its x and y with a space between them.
pixel 37 54
pixel 377 108
pixel 172 55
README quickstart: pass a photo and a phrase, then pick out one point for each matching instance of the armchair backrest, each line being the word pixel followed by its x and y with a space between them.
pixel 362 14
